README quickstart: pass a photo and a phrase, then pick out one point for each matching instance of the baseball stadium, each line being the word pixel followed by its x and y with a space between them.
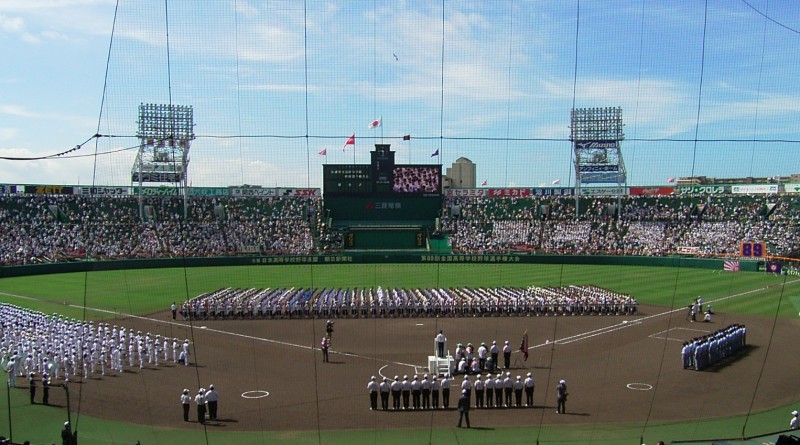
pixel 374 222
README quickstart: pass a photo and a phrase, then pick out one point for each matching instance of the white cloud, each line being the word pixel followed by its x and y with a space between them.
pixel 8 133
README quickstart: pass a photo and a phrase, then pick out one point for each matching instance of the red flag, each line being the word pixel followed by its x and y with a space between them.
pixel 350 141
pixel 375 123
pixel 523 347
pixel 324 152
pixel 483 184
pixel 670 180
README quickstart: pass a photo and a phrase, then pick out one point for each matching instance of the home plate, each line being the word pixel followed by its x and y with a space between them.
pixel 420 324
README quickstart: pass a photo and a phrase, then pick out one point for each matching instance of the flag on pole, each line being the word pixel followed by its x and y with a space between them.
pixel 556 181
pixel 350 141
pixel 324 152
pixel 523 347
pixel 670 180
pixel 376 123
pixel 435 153
pixel 407 137
pixel 483 184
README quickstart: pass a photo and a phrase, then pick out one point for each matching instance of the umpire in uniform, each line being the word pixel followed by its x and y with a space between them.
pixel 212 397
pixel 200 401
pixel 372 386
pixel 396 387
pixel 384 388
pixel 186 400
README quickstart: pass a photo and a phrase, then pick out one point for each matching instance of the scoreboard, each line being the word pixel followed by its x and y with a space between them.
pixel 383 192
pixel 382 177
pixel 347 179
pixel 750 249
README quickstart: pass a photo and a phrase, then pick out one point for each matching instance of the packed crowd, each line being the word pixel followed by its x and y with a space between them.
pixel 416 180
pixel 230 303
pixel 41 228
pixel 51 228
pixel 53 347
pixel 705 351
pixel 634 225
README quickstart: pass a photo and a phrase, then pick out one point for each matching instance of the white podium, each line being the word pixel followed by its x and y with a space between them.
pixel 440 365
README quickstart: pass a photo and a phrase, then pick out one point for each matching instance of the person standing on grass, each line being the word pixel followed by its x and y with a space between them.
pixel 32 384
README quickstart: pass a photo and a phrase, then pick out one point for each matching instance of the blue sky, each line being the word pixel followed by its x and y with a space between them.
pixel 492 81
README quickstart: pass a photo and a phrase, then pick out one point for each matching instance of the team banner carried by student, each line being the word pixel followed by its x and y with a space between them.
pixel 523 347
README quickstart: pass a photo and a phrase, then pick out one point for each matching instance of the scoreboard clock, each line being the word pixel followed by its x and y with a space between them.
pixel 749 249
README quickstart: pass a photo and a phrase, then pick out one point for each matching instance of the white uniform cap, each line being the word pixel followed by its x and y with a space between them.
pixel 373 378
pixel 562 381
pixel 794 413
pixel 210 386
pixel 508 374
pixel 529 374
pixel 185 391
pixel 66 423
pixel 397 377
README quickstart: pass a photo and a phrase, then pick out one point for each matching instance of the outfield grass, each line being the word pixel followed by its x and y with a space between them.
pixel 144 291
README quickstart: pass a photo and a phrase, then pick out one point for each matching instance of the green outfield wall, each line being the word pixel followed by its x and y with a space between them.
pixel 370 258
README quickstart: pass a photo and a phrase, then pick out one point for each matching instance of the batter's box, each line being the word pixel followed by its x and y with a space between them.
pixel 679 334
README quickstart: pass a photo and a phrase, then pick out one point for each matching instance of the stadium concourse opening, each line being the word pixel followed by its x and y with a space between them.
pixel 383 205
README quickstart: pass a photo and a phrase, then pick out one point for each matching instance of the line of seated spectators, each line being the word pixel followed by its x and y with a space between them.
pixel 45 228
pixel 652 226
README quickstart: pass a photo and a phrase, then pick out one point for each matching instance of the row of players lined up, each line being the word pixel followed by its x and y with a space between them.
pixel 424 393
pixel 704 351
pixel 388 303
pixel 57 347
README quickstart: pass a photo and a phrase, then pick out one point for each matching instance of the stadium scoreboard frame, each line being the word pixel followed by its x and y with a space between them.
pixel 383 192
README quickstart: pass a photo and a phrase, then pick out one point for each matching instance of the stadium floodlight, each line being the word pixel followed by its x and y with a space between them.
pixel 165 134
pixel 596 134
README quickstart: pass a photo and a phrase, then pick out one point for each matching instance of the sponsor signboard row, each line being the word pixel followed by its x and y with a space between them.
pixel 493 192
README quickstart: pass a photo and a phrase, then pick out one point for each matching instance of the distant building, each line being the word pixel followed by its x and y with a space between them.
pixel 461 175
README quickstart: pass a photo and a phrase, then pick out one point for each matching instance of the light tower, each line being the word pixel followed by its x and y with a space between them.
pixel 165 134
pixel 596 134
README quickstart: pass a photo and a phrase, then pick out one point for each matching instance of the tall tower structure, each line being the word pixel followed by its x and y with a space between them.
pixel 165 134
pixel 596 134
